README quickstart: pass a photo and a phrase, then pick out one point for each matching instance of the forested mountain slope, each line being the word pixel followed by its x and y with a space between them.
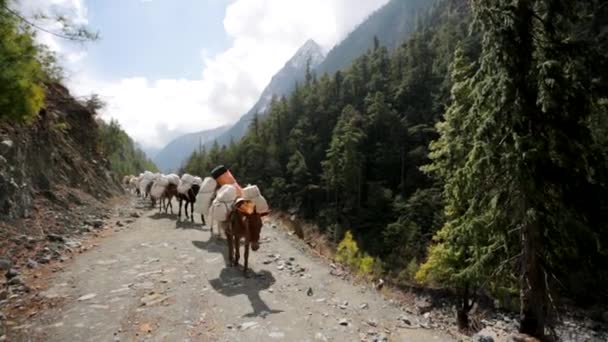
pixel 282 83
pixel 172 156
pixel 473 159
pixel 391 25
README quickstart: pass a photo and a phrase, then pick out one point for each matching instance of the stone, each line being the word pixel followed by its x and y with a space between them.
pixel 343 322
pixel 320 337
pixel 15 281
pixel 97 224
pixel 5 264
pixel 479 337
pixel 405 320
pixel 55 238
pixel 382 338
pixel 309 292
pixel 87 297
pixel 3 294
pixel 248 325
pixel 32 264
pixel 363 306
pixel 372 322
pixel 45 259
pixel 12 273
pixel 6 145
pixel 276 334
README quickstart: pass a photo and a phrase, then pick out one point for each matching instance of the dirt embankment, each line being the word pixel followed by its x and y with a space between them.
pixel 54 185
pixel 50 171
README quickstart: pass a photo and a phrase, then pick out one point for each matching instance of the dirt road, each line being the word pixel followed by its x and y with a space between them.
pixel 159 280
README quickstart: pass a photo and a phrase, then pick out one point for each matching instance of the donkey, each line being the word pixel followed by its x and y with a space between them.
pixel 243 225
pixel 170 192
pixel 189 198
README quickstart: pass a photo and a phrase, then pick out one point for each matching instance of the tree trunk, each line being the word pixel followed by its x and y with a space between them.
pixel 533 290
pixel 462 316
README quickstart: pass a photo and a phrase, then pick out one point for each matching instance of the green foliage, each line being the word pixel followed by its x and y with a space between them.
pixel 21 74
pixel 348 253
pixel 345 150
pixel 25 66
pixel 125 158
pixel 449 147
pixel 523 174
pixel 408 274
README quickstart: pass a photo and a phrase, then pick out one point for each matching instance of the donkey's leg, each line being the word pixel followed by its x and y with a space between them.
pixel 246 257
pixel 230 249
pixel 179 203
pixel 237 250
pixel 192 212
pixel 169 199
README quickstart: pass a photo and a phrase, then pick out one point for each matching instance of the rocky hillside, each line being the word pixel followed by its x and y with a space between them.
pixel 54 161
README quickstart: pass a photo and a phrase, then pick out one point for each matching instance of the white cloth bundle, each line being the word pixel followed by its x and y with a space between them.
pixel 227 193
pixel 143 184
pixel 185 184
pixel 197 180
pixel 173 179
pixel 251 192
pixel 188 178
pixel 261 206
pixel 220 210
pixel 209 185
pixel 203 202
pixel 205 196
pixel 159 186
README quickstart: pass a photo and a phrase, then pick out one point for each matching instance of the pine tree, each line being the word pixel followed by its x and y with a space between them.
pixel 519 189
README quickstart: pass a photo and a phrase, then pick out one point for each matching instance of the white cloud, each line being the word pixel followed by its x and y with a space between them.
pixel 264 35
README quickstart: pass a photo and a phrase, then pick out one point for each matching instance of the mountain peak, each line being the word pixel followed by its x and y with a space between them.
pixel 310 50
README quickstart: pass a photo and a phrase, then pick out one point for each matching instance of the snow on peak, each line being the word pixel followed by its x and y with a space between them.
pixel 310 50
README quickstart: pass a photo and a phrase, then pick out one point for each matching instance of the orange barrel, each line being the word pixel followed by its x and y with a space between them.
pixel 223 176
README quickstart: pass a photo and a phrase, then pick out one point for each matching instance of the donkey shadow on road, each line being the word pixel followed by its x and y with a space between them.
pixel 231 281
pixel 186 224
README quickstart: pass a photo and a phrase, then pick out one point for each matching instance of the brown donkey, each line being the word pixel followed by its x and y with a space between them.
pixel 243 224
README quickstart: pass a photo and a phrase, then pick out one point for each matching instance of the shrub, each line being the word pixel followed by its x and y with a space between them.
pixel 349 254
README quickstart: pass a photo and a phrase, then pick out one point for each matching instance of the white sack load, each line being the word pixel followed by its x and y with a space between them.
pixel 227 193
pixel 220 210
pixel 205 196
pixel 197 181
pixel 209 185
pixel 261 206
pixel 188 178
pixel 185 184
pixel 173 179
pixel 203 202
pixel 143 184
pixel 251 192
pixel 159 186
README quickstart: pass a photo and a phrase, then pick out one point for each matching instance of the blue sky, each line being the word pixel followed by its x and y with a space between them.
pixel 159 39
pixel 171 67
